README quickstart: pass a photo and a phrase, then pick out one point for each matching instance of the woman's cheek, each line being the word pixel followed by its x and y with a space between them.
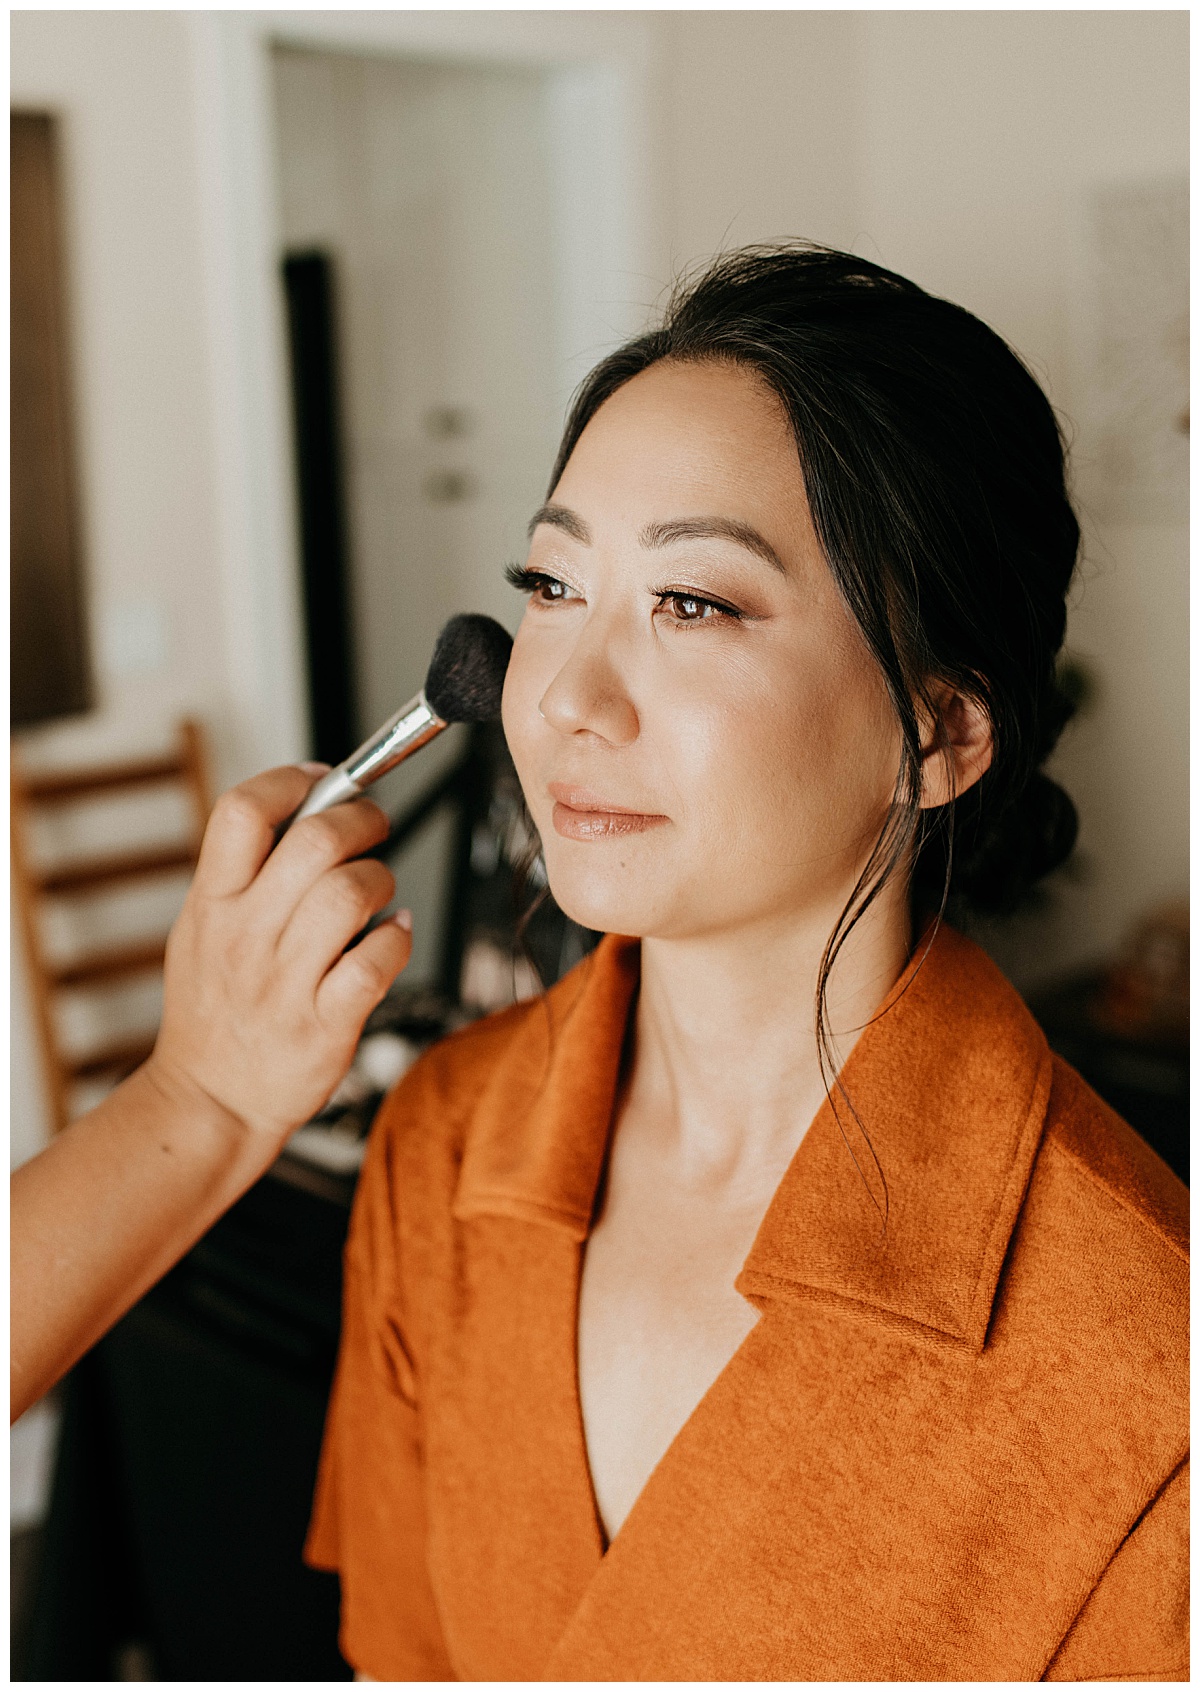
pixel 519 713
pixel 790 781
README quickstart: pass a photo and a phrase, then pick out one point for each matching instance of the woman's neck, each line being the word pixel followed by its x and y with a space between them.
pixel 724 1053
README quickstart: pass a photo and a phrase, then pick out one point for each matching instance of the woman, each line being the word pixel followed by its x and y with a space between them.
pixel 766 1301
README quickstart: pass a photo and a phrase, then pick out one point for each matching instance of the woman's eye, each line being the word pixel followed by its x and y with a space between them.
pixel 545 590
pixel 690 608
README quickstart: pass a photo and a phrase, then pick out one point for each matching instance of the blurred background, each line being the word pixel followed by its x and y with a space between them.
pixel 298 303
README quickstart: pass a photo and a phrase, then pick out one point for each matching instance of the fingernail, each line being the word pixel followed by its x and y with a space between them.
pixel 403 919
pixel 311 768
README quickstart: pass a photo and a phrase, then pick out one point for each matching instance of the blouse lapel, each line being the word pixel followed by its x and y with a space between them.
pixel 515 1537
pixel 950 1084
pixel 540 1132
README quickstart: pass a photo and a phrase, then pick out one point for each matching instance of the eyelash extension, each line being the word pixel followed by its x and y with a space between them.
pixel 526 580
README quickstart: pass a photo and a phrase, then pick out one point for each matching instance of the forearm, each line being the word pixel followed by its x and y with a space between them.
pixel 264 1000
pixel 108 1208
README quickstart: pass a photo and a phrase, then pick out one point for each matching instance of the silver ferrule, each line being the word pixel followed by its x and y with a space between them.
pixel 413 726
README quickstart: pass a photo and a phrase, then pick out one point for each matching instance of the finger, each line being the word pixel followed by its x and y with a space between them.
pixel 241 830
pixel 329 916
pixel 308 851
pixel 357 983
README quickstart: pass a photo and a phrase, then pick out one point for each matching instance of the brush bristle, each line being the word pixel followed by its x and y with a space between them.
pixel 466 672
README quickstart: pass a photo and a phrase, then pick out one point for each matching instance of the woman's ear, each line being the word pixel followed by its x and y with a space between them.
pixel 956 745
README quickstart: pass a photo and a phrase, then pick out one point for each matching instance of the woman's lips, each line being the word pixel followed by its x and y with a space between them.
pixel 580 814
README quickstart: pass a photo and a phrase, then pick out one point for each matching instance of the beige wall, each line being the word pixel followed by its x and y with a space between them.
pixel 955 146
pixel 985 133
pixel 960 148
pixel 761 133
pixel 122 85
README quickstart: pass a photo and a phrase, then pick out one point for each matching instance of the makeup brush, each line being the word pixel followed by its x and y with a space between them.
pixel 463 685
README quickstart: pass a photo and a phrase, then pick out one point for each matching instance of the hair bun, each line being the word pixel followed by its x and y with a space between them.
pixel 997 861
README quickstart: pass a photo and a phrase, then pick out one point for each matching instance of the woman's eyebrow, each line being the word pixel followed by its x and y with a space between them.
pixel 665 534
pixel 707 528
pixel 559 517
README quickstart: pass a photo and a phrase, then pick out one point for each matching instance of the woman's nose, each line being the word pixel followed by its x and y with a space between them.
pixel 588 696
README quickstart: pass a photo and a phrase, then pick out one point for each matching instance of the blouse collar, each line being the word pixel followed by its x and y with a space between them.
pixel 950 1081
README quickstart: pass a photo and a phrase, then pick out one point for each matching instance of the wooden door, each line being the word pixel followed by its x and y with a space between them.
pixel 51 674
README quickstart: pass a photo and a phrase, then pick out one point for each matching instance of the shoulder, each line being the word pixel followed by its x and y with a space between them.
pixel 1101 1249
pixel 1106 1248
pixel 505 1115
pixel 406 1188
pixel 427 1115
pixel 1121 1182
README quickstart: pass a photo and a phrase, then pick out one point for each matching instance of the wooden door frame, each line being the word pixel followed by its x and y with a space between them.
pixel 611 263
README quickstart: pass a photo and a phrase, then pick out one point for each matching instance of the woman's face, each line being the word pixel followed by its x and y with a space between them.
pixel 703 739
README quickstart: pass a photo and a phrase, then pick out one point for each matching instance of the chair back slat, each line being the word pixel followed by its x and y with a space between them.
pixel 99 967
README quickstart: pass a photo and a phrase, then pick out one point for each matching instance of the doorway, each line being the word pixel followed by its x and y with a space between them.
pixel 428 189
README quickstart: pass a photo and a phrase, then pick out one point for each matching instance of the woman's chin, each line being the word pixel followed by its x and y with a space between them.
pixel 603 916
pixel 634 906
pixel 594 902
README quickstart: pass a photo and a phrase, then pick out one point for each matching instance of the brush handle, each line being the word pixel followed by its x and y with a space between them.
pixel 413 726
pixel 331 790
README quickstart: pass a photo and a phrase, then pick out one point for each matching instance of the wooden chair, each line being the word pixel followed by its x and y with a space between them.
pixel 187 768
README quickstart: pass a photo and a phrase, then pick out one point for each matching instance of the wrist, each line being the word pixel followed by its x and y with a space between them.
pixel 194 1122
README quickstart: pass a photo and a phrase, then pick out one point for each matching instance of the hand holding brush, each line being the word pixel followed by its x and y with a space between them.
pixel 265 997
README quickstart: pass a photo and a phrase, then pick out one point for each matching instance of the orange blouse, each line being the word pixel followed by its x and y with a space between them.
pixel 954 1449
